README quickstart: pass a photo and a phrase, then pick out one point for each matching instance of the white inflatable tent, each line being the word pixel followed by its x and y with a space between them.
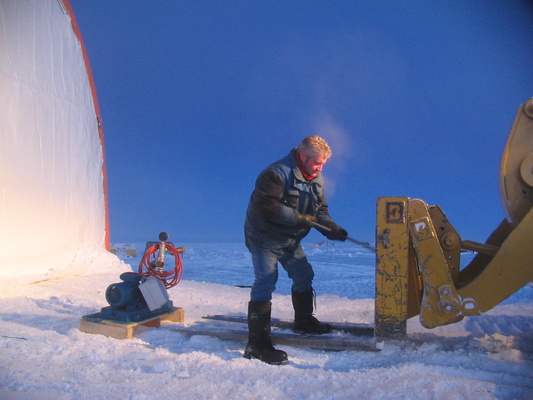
pixel 53 211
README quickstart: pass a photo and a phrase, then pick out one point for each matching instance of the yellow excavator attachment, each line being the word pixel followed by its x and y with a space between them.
pixel 418 251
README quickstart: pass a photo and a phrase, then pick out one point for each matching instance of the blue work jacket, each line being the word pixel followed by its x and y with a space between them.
pixel 282 193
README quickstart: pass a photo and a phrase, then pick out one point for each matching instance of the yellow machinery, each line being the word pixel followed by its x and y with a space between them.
pixel 418 251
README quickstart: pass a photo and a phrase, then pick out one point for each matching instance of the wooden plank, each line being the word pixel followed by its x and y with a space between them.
pixel 354 329
pixel 178 315
pixel 330 343
pixel 320 342
pixel 114 331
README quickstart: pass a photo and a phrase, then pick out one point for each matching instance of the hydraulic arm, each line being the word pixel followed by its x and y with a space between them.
pixel 418 251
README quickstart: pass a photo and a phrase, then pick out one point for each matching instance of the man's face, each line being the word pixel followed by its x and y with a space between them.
pixel 312 165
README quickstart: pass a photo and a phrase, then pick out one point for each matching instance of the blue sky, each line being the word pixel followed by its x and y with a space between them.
pixel 416 99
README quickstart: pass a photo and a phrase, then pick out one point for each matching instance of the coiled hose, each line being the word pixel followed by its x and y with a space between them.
pixel 155 268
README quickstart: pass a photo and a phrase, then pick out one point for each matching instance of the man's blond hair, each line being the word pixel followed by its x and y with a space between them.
pixel 314 145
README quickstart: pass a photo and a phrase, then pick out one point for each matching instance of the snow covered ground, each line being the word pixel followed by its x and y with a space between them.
pixel 44 355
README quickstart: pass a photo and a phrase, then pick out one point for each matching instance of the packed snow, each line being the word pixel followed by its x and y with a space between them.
pixel 45 356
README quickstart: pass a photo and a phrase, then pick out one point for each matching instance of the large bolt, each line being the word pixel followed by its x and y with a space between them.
pixel 450 240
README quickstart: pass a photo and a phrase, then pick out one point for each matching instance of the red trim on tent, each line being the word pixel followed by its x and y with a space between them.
pixel 77 32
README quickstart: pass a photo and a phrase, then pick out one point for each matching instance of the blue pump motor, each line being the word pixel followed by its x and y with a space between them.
pixel 126 294
pixel 127 303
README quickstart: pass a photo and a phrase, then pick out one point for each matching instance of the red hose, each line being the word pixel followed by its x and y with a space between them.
pixel 169 278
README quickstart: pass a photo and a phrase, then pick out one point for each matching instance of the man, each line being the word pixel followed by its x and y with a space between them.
pixel 288 199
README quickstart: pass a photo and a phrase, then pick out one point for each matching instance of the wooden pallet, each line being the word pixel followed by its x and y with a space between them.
pixel 126 330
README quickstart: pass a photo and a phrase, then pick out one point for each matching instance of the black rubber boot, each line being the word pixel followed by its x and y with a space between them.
pixel 259 343
pixel 304 321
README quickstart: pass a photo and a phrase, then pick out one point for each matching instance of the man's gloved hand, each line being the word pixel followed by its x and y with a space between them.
pixel 337 233
pixel 305 220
